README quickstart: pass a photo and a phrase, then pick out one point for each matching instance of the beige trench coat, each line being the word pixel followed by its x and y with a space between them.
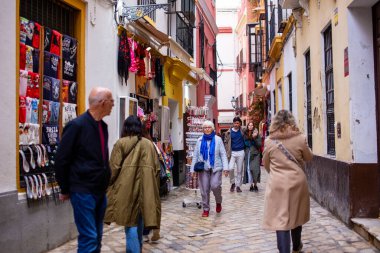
pixel 134 185
pixel 287 201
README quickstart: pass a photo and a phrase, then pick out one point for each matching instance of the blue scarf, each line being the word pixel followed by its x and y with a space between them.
pixel 204 148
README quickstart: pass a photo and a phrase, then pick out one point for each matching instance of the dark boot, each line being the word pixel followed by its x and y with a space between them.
pixel 232 187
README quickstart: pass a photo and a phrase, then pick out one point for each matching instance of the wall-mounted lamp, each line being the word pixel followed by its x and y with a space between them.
pixel 233 102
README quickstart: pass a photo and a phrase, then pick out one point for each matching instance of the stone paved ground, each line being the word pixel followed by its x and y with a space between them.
pixel 236 229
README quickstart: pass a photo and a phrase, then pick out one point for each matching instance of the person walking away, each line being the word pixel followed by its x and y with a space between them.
pixel 82 170
pixel 210 150
pixel 234 144
pixel 146 125
pixel 287 201
pixel 252 140
pixel 133 194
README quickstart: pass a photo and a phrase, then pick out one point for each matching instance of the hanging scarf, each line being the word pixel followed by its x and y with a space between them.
pixel 204 149
pixel 124 56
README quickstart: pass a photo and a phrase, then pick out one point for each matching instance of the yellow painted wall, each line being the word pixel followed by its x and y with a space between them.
pixel 310 36
pixel 280 81
pixel 174 73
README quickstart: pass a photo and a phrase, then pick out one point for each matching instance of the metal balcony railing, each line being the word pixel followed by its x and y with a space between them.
pixel 152 15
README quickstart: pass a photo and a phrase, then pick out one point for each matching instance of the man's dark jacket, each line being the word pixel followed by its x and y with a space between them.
pixel 79 164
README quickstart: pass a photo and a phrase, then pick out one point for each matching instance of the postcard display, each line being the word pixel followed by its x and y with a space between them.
pixel 195 116
pixel 47 102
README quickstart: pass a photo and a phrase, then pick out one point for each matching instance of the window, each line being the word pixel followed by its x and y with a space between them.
pixel 308 100
pixel 290 92
pixel 329 75
pixel 56 78
pixel 185 23
pixel 188 10
pixel 49 13
pixel 252 45
pixel 274 103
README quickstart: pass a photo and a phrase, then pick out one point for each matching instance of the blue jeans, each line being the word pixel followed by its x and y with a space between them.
pixel 133 236
pixel 283 239
pixel 89 210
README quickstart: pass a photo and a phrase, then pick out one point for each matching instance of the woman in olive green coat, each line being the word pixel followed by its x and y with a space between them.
pixel 133 195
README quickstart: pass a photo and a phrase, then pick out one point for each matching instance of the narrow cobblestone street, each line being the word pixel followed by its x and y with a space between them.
pixel 236 229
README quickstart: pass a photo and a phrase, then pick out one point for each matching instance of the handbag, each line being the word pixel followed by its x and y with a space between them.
pixel 199 166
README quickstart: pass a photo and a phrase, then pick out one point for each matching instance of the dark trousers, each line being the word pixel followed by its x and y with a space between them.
pixel 89 210
pixel 283 239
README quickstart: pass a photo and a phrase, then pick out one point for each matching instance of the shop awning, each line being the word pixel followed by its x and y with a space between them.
pixel 202 74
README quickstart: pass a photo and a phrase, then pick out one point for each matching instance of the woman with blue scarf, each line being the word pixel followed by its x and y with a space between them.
pixel 210 150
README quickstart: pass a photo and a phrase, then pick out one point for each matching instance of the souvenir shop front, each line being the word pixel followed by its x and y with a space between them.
pixel 44 64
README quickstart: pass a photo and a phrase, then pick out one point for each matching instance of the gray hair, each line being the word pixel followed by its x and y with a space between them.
pixel 98 94
pixel 208 123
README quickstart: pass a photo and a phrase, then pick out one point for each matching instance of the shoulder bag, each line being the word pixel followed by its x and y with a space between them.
pixel 282 148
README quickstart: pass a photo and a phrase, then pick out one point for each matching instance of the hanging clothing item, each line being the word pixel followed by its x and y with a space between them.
pixel 33 87
pixel 50 134
pixel 65 91
pixel 163 92
pixel 140 54
pixel 47 42
pixel 69 70
pixel 69 48
pixel 55 43
pixel 36 35
pixel 36 60
pixel 46 112
pixel 134 60
pixel 23 33
pixel 158 75
pixel 47 87
pixel 151 67
pixel 22 56
pixel 29 59
pixel 54 109
pixel 51 64
pixel 68 113
pixel 23 82
pixel 28 109
pixel 124 56
pixel 55 85
pixel 22 109
pixel 73 91
pixel 34 111
pixel 29 32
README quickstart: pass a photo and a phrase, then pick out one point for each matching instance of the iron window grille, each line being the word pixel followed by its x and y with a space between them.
pixel 290 85
pixel 274 103
pixel 329 75
pixel 308 100
pixel 188 10
pixel 151 15
pixel 50 13
pixel 185 34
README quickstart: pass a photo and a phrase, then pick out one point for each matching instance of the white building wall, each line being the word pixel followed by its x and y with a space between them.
pixel 362 86
pixel 8 97
pixel 226 16
pixel 290 66
pixel 101 62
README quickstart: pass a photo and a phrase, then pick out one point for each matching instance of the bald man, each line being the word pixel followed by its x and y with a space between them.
pixel 82 170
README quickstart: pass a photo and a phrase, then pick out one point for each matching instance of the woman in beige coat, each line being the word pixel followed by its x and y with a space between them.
pixel 287 204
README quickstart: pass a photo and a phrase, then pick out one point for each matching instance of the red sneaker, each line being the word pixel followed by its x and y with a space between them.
pixel 205 213
pixel 218 208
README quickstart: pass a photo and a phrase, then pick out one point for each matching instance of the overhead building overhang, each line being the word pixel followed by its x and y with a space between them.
pixel 202 75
